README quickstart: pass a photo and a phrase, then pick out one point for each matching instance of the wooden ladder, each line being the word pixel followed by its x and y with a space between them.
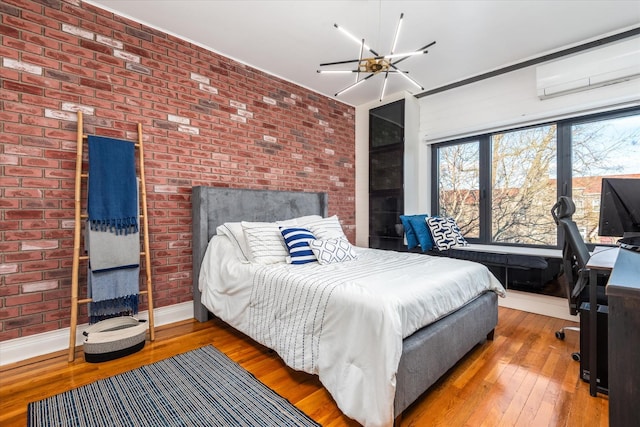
pixel 77 238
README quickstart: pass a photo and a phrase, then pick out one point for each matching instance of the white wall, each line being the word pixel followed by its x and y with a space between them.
pixel 511 100
pixel 416 161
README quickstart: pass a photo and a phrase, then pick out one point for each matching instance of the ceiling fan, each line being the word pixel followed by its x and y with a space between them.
pixel 376 64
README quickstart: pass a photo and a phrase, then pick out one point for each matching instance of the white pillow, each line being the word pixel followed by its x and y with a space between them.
pixel 298 220
pixel 235 233
pixel 325 228
pixel 306 218
pixel 265 242
pixel 329 251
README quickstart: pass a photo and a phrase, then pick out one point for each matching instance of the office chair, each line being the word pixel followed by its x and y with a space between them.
pixel 575 256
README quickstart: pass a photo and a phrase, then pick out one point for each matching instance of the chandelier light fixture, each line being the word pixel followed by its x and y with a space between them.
pixel 370 66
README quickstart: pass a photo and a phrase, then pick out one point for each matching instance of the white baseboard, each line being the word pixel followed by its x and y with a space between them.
pixel 18 349
pixel 539 304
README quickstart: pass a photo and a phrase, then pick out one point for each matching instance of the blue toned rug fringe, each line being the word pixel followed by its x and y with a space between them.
pixel 202 387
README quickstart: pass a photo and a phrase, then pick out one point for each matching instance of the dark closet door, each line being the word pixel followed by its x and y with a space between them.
pixel 386 176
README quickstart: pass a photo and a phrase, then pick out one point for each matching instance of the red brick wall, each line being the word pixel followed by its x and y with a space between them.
pixel 207 120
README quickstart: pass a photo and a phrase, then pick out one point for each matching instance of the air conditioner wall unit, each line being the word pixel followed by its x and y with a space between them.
pixel 602 66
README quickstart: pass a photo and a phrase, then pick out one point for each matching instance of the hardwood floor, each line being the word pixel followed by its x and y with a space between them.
pixel 525 377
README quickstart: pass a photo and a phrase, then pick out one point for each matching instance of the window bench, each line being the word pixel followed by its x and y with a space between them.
pixel 506 258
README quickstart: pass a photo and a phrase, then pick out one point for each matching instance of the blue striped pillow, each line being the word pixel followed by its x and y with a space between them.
pixel 297 242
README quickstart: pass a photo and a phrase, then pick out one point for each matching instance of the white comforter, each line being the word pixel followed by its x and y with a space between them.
pixel 344 322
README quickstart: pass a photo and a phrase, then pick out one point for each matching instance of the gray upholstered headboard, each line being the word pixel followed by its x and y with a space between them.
pixel 213 206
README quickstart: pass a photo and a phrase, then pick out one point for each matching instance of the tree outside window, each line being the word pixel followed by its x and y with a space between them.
pixel 458 185
pixel 523 165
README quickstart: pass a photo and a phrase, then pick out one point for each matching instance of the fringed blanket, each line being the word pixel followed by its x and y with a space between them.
pixel 113 274
pixel 112 185
pixel 110 251
pixel 103 288
pixel 112 239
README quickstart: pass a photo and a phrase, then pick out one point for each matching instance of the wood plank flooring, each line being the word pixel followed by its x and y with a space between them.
pixel 525 377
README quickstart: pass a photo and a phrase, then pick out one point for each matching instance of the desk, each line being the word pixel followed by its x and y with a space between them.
pixel 602 259
pixel 623 292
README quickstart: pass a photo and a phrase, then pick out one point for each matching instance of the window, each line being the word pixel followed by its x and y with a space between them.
pixel 523 186
pixel 601 148
pixel 459 185
pixel 500 187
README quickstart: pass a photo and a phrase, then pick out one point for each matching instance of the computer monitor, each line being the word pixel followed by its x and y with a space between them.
pixel 620 207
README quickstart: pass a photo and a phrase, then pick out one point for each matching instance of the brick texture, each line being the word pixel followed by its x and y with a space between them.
pixel 206 119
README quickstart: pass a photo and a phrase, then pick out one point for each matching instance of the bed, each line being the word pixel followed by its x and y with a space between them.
pixel 376 372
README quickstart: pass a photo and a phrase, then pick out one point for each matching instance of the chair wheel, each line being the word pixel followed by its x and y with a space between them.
pixel 575 356
pixel 560 335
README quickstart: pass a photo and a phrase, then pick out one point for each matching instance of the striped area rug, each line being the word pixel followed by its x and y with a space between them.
pixel 202 387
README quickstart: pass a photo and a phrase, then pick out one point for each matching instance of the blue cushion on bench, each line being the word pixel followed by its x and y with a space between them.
pixel 412 239
pixel 419 225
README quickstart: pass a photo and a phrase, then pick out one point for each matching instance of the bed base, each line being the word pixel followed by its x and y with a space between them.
pixel 426 355
pixel 430 352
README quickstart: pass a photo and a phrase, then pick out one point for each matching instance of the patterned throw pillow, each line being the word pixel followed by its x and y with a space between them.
pixel 445 233
pixel 297 241
pixel 329 251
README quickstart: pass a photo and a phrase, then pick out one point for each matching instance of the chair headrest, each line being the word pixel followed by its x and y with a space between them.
pixel 566 207
pixel 563 209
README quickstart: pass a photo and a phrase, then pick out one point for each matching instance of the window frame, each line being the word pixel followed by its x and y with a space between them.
pixel 563 171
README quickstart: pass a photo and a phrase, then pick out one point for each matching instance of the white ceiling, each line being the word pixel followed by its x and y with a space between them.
pixel 291 38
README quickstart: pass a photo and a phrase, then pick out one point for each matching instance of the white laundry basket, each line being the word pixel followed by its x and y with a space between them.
pixel 113 338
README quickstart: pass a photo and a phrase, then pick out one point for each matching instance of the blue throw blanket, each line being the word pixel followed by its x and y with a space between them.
pixel 113 293
pixel 112 185
pixel 113 281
